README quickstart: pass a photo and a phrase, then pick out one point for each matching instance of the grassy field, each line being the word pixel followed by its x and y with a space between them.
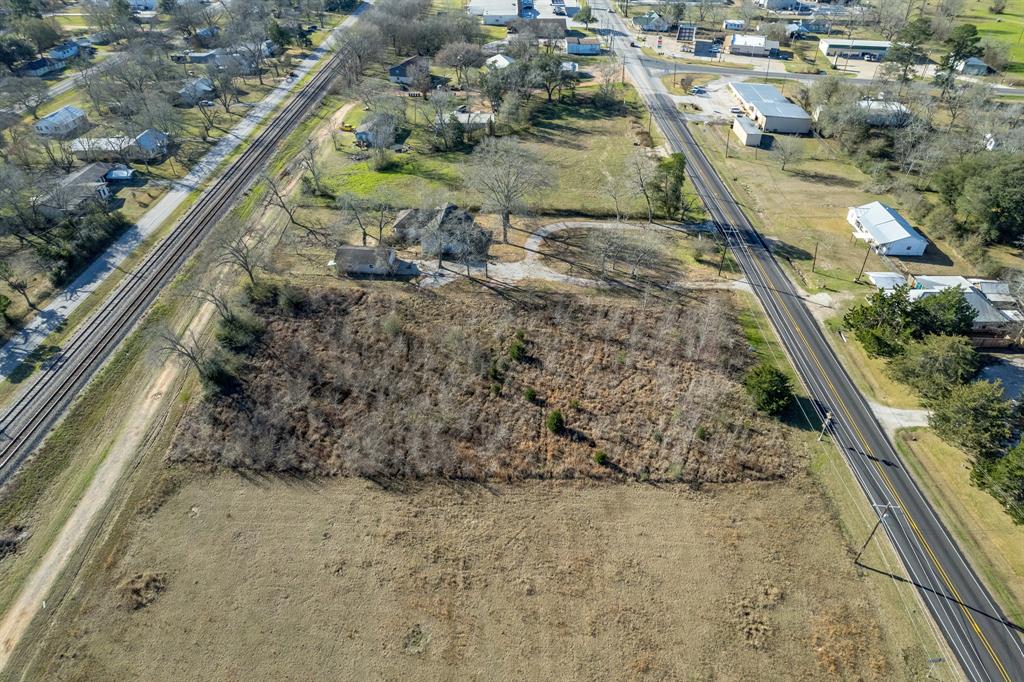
pixel 988 536
pixel 1007 28
pixel 780 202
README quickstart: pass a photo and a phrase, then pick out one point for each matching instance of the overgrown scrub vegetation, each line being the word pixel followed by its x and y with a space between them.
pixel 926 349
pixel 420 385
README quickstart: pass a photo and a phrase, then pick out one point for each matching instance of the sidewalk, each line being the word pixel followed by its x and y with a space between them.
pixel 50 318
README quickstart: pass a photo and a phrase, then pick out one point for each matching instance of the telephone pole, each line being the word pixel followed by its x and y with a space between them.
pixel 824 425
pixel 885 509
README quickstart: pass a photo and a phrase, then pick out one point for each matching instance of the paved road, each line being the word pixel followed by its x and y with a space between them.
pixel 985 643
pixel 663 67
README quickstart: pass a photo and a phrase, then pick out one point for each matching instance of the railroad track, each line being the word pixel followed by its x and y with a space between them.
pixel 51 390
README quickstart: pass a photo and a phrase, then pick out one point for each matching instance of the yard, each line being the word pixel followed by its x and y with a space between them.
pixel 1007 28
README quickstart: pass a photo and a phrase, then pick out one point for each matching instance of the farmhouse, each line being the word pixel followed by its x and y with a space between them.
pixel 772 112
pixel 887 231
pixel 750 45
pixel 404 72
pixel 855 48
pixel 371 261
pixel 474 120
pixel 651 22
pixel 65 122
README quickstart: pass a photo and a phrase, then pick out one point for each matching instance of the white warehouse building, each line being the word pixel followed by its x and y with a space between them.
pixel 886 230
pixel 770 109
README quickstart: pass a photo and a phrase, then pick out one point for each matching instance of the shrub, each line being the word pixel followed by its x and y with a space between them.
pixel 517 349
pixel 530 394
pixel 935 364
pixel 392 324
pixel 261 293
pixel 974 417
pixel 239 332
pixel 220 373
pixel 600 458
pixel 291 300
pixel 555 422
pixel 1004 479
pixel 702 432
pixel 769 388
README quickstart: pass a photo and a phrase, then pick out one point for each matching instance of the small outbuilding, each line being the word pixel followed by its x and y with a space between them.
pixel 886 230
pixel 404 72
pixel 582 46
pixel 499 61
pixel 747 131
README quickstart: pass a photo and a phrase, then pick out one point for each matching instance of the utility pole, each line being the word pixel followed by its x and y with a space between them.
pixel 886 508
pixel 721 263
pixel 867 252
pixel 815 260
pixel 824 425
pixel 728 134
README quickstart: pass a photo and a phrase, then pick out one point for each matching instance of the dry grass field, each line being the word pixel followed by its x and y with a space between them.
pixel 240 579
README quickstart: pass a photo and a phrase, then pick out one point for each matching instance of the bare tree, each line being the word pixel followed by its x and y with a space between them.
pixel 505 173
pixel 308 159
pixel 787 149
pixel 23 93
pixel 16 282
pixel 276 197
pixel 242 253
pixel 642 169
pixel 188 349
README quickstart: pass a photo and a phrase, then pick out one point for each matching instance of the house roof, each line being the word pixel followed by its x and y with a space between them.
pixel 151 138
pixel 582 41
pixel 884 224
pixel 984 311
pixel 886 280
pixel 855 43
pixel 147 140
pixel 768 100
pixel 749 127
pixel 347 257
pixel 66 114
pixel 883 106
pixel 87 175
pixel 196 86
pixel 647 18
pixel 401 68
pixel 500 61
pixel 753 40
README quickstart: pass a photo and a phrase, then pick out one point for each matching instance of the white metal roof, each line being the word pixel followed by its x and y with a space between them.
pixel 67 114
pixel 884 224
pixel 768 100
pixel 855 43
pixel 753 40
pixel 886 280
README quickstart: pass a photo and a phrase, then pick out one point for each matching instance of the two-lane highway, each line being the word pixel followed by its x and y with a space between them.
pixel 985 643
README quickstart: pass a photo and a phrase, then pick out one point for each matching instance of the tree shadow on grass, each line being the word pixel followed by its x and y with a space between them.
pixel 824 178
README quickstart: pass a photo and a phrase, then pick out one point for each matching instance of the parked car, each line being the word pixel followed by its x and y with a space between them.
pixel 205 103
pixel 735 110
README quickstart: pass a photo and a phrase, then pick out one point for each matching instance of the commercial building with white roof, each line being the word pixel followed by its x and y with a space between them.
pixel 855 48
pixel 750 45
pixel 886 230
pixel 772 112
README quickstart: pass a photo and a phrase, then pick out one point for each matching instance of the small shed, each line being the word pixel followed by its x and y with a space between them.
pixel 499 61
pixel 582 46
pixel 972 66
pixel 747 131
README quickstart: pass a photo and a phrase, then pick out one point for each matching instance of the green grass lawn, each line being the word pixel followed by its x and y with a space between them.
pixel 1007 27
pixel 987 534
pixel 575 140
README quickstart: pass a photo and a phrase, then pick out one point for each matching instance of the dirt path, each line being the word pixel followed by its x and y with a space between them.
pixel 531 267
pixel 32 598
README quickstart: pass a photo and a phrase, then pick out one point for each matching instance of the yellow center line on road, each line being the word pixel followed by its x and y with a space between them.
pixel 862 441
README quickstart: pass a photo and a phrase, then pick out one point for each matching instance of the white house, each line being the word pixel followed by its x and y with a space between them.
pixel 65 122
pixel 148 145
pixel 885 113
pixel 495 12
pixel 886 230
pixel 499 61
pixel 142 5
pixel 733 25
pixel 41 67
pixel 651 22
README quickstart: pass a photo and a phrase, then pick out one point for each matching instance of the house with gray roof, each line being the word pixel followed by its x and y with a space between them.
pixel 194 91
pixel 66 122
pixel 371 261
pixel 885 230
pixel 77 191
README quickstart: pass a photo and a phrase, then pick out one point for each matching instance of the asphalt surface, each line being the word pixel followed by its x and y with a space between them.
pixel 664 67
pixel 985 643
